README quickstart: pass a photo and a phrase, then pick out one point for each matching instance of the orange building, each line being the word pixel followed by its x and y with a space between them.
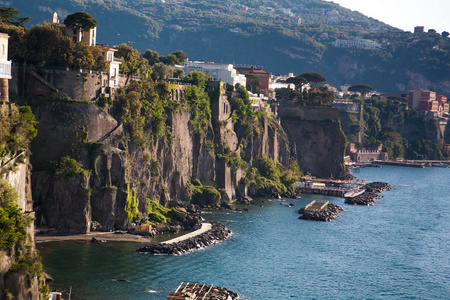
pixel 422 100
pixel 264 77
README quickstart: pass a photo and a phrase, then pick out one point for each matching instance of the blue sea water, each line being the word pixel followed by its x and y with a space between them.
pixel 397 249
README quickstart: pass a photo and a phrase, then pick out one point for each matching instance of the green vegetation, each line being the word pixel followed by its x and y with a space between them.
pixel 13 235
pixel 16 130
pixel 203 194
pixel 270 179
pixel 68 167
pixel 80 21
pixel 402 133
pixel 158 214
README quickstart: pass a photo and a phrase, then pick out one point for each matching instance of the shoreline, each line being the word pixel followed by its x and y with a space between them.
pixel 101 236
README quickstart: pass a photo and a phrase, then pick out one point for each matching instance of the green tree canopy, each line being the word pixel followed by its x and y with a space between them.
pixel 298 81
pixel 360 88
pixel 133 63
pixel 80 20
pixel 196 78
pixel 151 56
pixel 10 16
pixel 313 77
pixel 48 45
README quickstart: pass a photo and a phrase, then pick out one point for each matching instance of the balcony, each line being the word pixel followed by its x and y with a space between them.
pixel 5 69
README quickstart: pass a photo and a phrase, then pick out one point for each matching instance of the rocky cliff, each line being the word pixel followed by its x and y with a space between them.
pixel 316 135
pixel 121 176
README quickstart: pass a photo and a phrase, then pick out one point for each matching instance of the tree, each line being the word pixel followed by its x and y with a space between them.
pixel 151 56
pixel 80 21
pixel 83 58
pixel 181 56
pixel 361 88
pixel 133 63
pixel 298 81
pixel 253 81
pixel 160 72
pixel 48 45
pixel 10 16
pixel 313 78
pixel 445 34
pixel 196 78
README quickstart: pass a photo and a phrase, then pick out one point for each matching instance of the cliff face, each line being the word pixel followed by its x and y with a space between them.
pixel 122 175
pixel 16 282
pixel 316 135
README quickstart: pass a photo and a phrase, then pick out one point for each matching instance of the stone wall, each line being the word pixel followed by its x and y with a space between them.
pixel 49 83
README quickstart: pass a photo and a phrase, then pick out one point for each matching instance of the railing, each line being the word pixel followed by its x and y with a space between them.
pixel 5 69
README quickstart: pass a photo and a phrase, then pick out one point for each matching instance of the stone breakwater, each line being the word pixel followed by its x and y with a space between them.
pixel 329 213
pixel 218 232
pixel 370 196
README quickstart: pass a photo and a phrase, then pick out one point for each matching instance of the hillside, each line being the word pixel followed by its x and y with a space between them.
pixel 282 36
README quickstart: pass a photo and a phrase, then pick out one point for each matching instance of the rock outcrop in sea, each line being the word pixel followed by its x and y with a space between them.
pixel 370 196
pixel 329 213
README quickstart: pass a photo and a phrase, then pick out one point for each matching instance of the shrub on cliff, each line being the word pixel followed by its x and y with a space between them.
pixel 203 194
pixel 158 214
pixel 68 167
pixel 16 130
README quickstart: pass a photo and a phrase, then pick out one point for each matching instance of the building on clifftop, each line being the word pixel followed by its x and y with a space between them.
pixel 5 67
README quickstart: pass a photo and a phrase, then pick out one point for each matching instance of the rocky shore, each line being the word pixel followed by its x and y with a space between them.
pixel 329 213
pixel 218 232
pixel 370 196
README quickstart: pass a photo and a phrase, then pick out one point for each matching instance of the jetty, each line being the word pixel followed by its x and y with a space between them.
pixel 195 291
pixel 210 233
pixel 319 186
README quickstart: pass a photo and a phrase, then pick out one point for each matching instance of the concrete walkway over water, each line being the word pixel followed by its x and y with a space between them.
pixel 205 227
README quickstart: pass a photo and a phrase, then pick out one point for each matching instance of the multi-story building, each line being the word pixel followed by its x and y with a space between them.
pixel 357 43
pixel 5 67
pixel 78 35
pixel 220 72
pixel 264 78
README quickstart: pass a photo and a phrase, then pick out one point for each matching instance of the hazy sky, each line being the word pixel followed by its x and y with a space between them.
pixel 405 14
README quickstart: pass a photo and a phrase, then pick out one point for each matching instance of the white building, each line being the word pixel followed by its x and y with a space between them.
pixel 357 43
pixel 220 72
pixel 110 79
pixel 5 67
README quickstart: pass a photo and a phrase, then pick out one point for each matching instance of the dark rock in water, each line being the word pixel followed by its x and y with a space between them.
pixel 97 241
pixel 227 205
pixel 217 233
pixel 329 213
pixel 245 200
pixel 377 187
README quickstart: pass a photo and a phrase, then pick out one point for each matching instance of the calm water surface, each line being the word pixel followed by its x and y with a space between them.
pixel 397 249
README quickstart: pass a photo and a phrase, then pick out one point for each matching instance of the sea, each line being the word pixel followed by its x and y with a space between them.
pixel 397 249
